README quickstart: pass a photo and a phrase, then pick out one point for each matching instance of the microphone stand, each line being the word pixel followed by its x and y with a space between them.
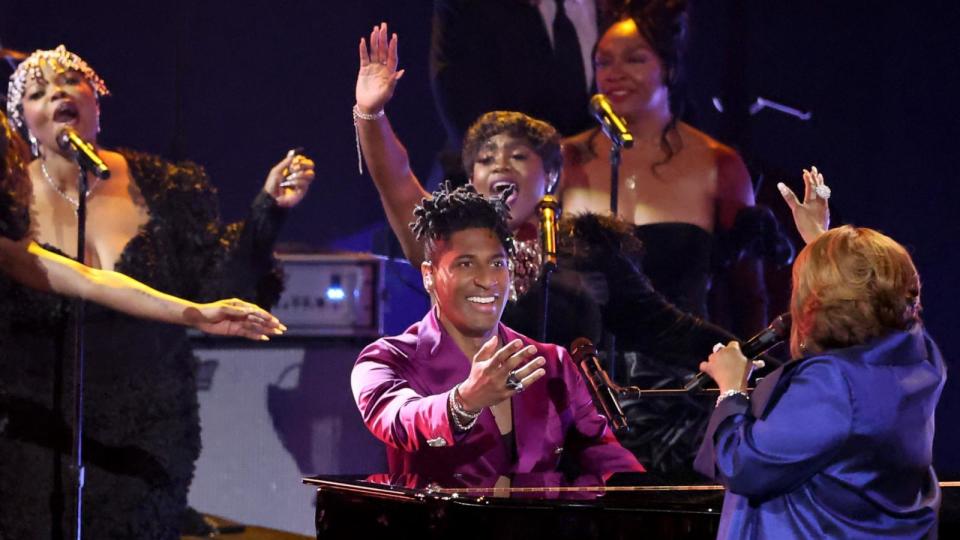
pixel 78 354
pixel 615 149
pixel 606 393
pixel 637 392
pixel 609 341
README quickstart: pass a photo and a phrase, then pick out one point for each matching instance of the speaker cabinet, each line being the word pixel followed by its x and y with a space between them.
pixel 271 415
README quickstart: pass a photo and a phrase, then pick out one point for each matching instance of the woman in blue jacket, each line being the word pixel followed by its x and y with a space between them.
pixel 837 443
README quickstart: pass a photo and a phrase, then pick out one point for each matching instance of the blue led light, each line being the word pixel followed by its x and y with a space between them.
pixel 335 293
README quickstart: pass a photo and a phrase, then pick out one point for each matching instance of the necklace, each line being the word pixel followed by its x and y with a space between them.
pixel 71 200
pixel 526 265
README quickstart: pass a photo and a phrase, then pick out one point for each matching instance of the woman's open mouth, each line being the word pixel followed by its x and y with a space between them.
pixel 66 113
pixel 497 188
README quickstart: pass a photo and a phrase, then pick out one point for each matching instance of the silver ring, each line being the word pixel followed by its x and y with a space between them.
pixel 513 382
pixel 718 346
pixel 822 191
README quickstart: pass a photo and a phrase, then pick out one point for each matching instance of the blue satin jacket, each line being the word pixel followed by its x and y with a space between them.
pixel 837 445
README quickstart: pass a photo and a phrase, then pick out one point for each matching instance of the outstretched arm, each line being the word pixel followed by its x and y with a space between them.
pixel 643 320
pixel 28 263
pixel 384 154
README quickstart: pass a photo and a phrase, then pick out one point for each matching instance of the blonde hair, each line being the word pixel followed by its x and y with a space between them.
pixel 850 285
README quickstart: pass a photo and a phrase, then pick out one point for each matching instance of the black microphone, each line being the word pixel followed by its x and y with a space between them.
pixel 598 382
pixel 70 141
pixel 547 210
pixel 613 126
pixel 752 348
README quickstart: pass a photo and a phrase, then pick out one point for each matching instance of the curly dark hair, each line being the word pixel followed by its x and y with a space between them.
pixel 662 24
pixel 451 210
pixel 543 137
pixel 14 183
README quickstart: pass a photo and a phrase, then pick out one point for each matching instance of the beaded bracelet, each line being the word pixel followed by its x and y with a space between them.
pixel 457 412
pixel 360 115
pixel 730 393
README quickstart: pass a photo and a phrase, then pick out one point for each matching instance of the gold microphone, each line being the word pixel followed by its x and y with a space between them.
pixel 548 210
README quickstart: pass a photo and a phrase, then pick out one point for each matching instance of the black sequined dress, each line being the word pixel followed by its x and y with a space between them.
pixel 142 431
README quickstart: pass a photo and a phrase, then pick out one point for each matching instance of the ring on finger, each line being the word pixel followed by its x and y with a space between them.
pixel 822 190
pixel 291 178
pixel 718 346
pixel 513 382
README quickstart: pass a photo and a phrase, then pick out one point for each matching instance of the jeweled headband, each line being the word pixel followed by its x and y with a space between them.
pixel 59 59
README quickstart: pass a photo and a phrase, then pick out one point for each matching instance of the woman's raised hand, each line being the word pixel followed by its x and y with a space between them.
pixel 378 74
pixel 812 216
pixel 288 181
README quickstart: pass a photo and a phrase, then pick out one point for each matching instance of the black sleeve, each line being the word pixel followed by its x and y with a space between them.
pixel 645 321
pixel 250 269
pixel 640 318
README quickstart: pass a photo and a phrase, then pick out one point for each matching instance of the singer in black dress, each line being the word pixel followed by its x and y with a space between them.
pixel 157 222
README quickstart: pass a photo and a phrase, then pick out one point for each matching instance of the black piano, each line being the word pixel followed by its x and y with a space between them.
pixel 525 506
pixel 528 507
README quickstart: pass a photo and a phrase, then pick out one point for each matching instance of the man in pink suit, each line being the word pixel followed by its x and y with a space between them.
pixel 461 394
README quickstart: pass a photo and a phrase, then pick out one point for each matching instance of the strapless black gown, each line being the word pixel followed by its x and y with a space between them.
pixel 141 414
pixel 677 259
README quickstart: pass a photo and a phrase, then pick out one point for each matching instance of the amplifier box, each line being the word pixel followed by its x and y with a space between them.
pixel 332 295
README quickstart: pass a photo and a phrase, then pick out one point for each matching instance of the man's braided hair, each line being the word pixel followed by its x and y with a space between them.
pixel 450 210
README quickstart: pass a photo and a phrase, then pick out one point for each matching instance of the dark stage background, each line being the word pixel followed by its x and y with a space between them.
pixel 234 85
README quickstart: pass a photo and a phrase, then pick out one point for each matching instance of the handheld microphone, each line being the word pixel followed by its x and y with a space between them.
pixel 613 126
pixel 598 382
pixel 70 141
pixel 778 331
pixel 548 210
